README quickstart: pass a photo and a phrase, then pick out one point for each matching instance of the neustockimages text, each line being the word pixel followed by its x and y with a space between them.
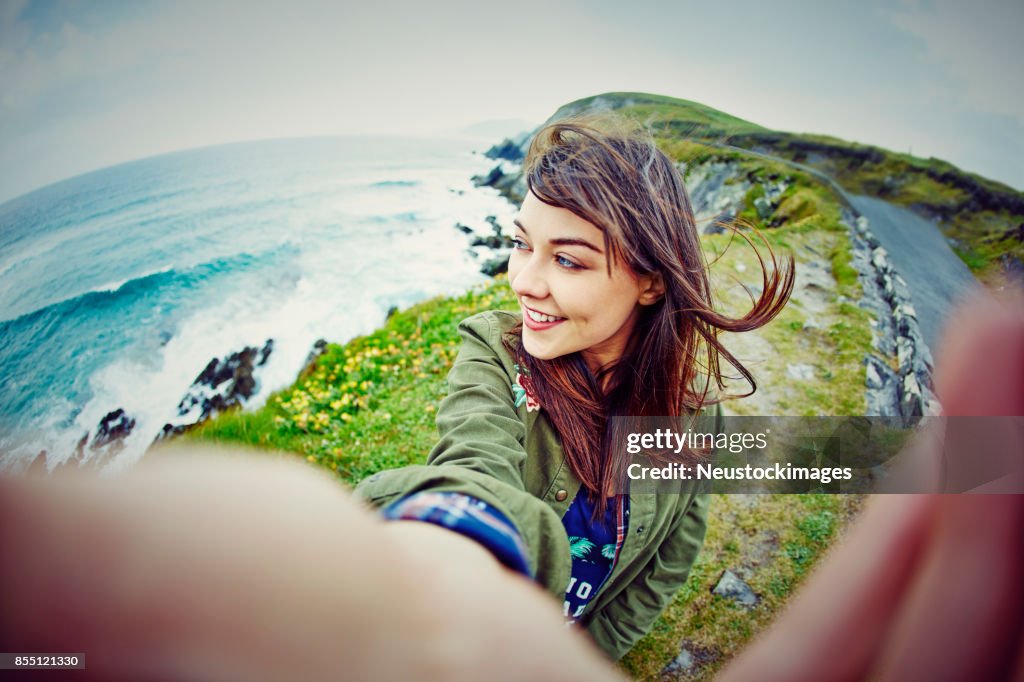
pixel 666 440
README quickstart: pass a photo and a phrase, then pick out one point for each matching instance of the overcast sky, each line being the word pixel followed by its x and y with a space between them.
pixel 85 85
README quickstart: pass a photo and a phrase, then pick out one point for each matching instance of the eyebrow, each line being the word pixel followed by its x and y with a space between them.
pixel 562 241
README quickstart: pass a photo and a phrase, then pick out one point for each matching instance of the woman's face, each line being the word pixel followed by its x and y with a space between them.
pixel 558 271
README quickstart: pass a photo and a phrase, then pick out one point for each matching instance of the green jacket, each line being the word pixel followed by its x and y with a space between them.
pixel 512 459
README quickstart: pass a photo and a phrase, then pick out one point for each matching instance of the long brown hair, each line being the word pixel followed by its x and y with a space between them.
pixel 612 174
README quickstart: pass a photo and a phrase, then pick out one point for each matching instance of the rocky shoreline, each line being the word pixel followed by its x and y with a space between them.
pixel 223 384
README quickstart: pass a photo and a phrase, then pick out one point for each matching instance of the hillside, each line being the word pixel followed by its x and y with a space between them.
pixel 984 219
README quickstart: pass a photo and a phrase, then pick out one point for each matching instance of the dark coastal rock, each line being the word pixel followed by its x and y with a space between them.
pixel 112 430
pixel 1016 233
pixel 511 185
pixel 512 148
pixel 507 149
pixel 236 371
pixel 265 352
pixel 498 243
pixel 495 225
pixel 492 242
pixel 507 176
pixel 108 439
pixel 171 430
pixel 491 179
pixel 320 346
pixel 464 229
pixel 223 384
pixel 495 266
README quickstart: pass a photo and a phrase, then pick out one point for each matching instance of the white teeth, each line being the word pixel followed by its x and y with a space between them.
pixel 540 317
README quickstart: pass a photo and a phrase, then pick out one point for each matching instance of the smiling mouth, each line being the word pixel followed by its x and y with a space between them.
pixel 541 317
pixel 539 321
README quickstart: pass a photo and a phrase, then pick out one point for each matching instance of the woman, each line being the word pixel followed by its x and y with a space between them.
pixel 616 320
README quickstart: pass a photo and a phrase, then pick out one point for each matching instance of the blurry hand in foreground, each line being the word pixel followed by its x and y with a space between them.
pixel 211 566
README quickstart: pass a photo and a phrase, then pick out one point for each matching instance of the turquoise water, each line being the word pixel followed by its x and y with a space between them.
pixel 117 287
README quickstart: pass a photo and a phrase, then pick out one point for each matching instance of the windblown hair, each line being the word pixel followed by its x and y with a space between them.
pixel 612 174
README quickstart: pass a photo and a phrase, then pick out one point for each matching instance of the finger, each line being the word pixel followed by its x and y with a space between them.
pixel 980 369
pixel 980 379
pixel 962 614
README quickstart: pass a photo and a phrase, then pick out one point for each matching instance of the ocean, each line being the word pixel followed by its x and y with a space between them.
pixel 118 287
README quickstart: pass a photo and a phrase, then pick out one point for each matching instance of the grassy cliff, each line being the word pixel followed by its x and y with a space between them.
pixel 983 218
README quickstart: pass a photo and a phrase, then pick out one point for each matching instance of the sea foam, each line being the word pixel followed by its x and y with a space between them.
pixel 235 246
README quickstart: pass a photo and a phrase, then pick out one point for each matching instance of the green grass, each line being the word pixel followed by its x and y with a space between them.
pixel 669 116
pixel 843 271
pixel 978 258
pixel 774 541
pixel 369 404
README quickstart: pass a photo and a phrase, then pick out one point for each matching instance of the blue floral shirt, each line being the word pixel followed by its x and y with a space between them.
pixel 594 547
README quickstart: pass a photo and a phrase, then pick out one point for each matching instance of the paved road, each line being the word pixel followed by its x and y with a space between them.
pixel 918 251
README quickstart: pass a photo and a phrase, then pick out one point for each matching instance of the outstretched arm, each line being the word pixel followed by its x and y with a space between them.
pixel 481 453
pixel 208 565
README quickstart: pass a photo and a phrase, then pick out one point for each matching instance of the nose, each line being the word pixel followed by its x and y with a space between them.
pixel 526 276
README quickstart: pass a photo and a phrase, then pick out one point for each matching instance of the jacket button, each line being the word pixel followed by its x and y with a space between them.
pixel 640 530
pixel 561 495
